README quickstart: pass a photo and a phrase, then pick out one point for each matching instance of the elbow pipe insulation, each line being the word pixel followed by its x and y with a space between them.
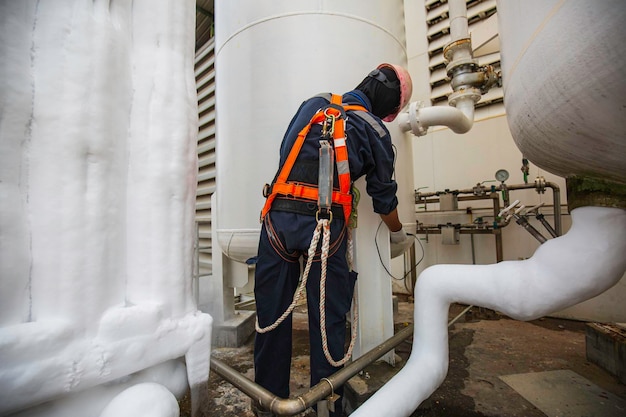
pixel 468 81
pixel 583 263
pixel 418 120
pixel 460 117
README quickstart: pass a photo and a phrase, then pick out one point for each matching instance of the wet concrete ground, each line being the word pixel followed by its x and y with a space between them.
pixel 483 346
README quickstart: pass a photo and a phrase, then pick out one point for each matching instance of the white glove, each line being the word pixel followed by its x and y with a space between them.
pixel 400 242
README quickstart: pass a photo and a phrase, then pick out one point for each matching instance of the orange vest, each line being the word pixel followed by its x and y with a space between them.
pixel 294 190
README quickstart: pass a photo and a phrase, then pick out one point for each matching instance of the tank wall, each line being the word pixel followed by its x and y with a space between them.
pixel 563 78
pixel 268 62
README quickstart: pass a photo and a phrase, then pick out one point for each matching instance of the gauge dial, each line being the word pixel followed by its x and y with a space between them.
pixel 502 175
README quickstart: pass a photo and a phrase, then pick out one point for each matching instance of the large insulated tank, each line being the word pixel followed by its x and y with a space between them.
pixel 563 66
pixel 271 56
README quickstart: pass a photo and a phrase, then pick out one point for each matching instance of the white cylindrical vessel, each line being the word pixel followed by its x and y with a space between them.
pixel 563 67
pixel 271 56
pixel 98 165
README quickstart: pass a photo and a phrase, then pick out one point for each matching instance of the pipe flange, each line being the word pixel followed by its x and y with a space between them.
pixel 416 127
pixel 468 79
pixel 540 185
pixel 461 65
pixel 461 44
pixel 464 93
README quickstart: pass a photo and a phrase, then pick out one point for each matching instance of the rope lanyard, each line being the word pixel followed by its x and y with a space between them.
pixel 355 311
pixel 322 227
pixel 333 117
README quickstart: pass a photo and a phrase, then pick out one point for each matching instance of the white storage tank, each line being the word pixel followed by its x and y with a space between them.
pixel 563 68
pixel 271 56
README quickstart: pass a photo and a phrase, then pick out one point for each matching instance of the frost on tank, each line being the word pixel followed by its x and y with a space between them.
pixel 97 177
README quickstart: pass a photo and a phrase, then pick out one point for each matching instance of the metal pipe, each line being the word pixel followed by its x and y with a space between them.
pixel 457 10
pixel 497 232
pixel 454 320
pixel 473 249
pixel 523 221
pixel 473 229
pixel 434 230
pixel 547 225
pixel 556 197
pixel 292 406
pixel 538 185
pixel 413 269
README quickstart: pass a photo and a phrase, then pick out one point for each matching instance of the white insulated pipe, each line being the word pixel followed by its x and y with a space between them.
pixel 564 271
pixel 457 12
pixel 459 119
pixel 145 399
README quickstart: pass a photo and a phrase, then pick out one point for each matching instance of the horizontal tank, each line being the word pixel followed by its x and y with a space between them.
pixel 563 66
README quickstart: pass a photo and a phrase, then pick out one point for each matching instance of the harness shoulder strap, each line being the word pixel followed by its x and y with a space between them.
pixel 371 121
pixel 325 96
pixel 343 196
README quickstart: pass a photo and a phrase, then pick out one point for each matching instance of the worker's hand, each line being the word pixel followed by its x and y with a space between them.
pixel 400 242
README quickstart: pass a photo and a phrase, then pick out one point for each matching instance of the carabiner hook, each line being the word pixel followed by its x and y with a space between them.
pixel 328 127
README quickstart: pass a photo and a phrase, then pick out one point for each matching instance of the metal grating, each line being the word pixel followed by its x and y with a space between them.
pixel 205 86
pixel 438 35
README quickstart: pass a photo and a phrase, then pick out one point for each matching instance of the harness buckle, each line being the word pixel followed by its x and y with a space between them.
pixel 327 214
pixel 267 190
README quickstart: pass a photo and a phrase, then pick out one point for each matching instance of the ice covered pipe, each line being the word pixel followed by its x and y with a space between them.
pixel 564 271
pixel 468 82
pixel 98 166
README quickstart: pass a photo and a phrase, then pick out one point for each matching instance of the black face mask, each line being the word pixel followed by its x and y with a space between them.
pixel 382 87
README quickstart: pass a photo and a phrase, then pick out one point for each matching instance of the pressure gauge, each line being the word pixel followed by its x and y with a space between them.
pixel 502 175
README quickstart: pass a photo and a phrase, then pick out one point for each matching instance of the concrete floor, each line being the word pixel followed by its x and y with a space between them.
pixel 485 347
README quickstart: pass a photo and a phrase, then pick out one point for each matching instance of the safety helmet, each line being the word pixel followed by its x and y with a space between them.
pixel 406 88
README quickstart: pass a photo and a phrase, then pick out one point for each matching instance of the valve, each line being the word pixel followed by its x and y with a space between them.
pixel 480 189
pixel 506 212
pixel 520 216
pixel 525 169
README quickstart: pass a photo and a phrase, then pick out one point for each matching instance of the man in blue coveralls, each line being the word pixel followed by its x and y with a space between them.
pixel 289 224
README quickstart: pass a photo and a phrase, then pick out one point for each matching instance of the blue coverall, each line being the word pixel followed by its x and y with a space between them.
pixel 286 235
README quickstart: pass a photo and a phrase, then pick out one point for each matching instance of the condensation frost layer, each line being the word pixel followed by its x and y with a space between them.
pixel 98 126
pixel 564 271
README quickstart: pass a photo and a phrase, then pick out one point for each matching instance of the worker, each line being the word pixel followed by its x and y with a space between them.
pixel 290 219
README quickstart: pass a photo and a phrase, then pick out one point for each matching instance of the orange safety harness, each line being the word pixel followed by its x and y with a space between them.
pixel 333 119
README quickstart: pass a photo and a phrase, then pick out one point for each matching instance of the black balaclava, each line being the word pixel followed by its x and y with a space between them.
pixel 384 98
